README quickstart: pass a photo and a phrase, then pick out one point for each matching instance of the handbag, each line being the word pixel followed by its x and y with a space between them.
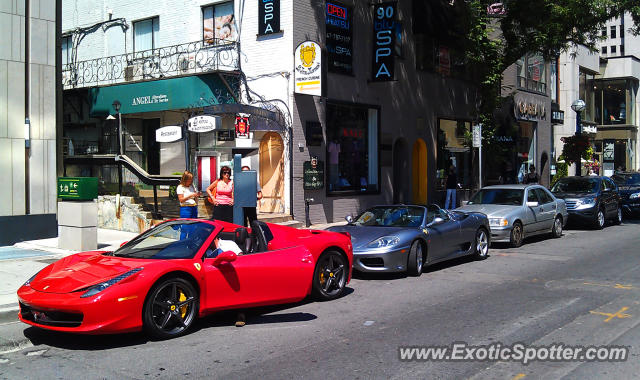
pixel 213 192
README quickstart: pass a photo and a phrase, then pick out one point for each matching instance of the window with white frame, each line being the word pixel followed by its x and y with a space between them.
pixel 218 23
pixel 145 33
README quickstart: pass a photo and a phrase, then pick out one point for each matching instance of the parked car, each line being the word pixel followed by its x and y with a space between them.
pixel 592 199
pixel 518 211
pixel 175 272
pixel 629 190
pixel 403 238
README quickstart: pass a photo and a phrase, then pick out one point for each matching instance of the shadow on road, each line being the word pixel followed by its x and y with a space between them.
pixel 69 341
pixel 368 276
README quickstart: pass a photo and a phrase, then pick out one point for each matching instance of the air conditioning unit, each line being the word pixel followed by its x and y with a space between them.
pixel 129 72
pixel 183 64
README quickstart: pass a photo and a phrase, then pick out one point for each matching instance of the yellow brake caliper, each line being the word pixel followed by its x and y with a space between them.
pixel 183 310
pixel 322 280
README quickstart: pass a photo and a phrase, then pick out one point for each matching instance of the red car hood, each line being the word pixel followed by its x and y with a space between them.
pixel 80 271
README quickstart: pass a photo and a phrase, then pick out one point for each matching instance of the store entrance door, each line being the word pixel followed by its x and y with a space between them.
pixel 419 172
pixel 152 148
pixel 272 173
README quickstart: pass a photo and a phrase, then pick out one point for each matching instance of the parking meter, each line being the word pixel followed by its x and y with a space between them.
pixel 245 189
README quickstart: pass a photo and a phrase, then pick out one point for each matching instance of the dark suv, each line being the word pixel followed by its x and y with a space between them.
pixel 591 199
pixel 629 188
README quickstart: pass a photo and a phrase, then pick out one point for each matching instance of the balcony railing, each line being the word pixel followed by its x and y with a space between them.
pixel 189 58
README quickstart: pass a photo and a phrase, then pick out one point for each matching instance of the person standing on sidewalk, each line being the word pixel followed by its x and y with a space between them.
pixel 451 186
pixel 250 213
pixel 221 195
pixel 187 196
pixel 532 176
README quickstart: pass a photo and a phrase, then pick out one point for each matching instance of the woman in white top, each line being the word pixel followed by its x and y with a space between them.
pixel 187 195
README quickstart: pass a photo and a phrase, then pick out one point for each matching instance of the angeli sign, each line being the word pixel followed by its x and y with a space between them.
pixel 78 188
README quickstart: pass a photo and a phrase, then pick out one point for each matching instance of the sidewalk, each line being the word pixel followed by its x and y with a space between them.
pixel 22 260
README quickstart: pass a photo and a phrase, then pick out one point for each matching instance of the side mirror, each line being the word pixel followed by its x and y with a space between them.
pixel 349 219
pixel 124 242
pixel 224 257
pixel 436 220
pixel 532 204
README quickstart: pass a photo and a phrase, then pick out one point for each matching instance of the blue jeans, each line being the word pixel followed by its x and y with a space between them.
pixel 189 212
pixel 451 196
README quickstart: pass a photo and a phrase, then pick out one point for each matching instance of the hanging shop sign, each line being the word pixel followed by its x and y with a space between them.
pixel 339 38
pixel 226 135
pixel 204 123
pixel 313 174
pixel 308 73
pixel 384 30
pixel 268 17
pixel 170 133
pixel 242 127
pixel 557 115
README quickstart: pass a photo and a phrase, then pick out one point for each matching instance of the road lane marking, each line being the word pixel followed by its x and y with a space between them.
pixel 617 314
pixel 616 286
pixel 519 376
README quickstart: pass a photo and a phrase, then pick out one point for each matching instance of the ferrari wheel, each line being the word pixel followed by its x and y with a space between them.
pixel 415 260
pixel 330 276
pixel 516 235
pixel 482 244
pixel 170 308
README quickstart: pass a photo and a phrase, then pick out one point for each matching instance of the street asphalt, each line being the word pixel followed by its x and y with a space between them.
pixel 548 291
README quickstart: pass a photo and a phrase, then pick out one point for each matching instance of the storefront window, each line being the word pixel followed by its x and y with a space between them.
pixel 452 150
pixel 531 73
pixel 586 93
pixel 612 100
pixel 352 149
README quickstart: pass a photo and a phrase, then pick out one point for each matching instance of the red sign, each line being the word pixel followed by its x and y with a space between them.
pixel 242 127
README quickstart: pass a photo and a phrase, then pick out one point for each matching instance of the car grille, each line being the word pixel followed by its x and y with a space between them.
pixel 375 262
pixel 571 204
pixel 50 317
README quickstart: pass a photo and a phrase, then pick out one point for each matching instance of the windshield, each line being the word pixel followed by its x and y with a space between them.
pixel 509 197
pixel 576 185
pixel 172 240
pixel 392 216
pixel 626 179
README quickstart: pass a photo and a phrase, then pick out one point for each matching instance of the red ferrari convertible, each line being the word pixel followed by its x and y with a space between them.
pixel 176 271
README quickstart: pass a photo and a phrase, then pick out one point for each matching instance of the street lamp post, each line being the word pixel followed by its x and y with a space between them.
pixel 578 106
pixel 116 105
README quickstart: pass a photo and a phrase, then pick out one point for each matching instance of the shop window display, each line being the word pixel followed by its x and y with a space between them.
pixel 452 149
pixel 612 99
pixel 352 148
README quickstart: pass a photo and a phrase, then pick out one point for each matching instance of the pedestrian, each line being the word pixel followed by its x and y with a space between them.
pixel 187 196
pixel 250 213
pixel 221 195
pixel 451 186
pixel 532 176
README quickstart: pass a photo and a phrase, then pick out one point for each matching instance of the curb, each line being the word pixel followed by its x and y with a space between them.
pixel 9 313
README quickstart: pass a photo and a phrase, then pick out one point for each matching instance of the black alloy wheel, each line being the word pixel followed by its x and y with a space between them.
pixel 170 308
pixel 330 276
pixel 599 220
pixel 517 235
pixel 415 259
pixel 481 244
pixel 556 230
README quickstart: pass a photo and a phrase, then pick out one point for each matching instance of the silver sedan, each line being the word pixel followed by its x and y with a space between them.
pixel 519 211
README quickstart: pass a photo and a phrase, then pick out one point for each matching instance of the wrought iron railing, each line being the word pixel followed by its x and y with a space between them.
pixel 189 58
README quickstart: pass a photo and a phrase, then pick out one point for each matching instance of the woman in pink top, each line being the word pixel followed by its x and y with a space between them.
pixel 221 192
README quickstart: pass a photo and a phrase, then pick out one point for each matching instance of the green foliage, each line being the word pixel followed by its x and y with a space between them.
pixel 172 189
pixel 576 148
pixel 562 170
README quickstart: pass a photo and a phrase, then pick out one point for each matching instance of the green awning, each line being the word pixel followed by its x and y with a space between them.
pixel 160 95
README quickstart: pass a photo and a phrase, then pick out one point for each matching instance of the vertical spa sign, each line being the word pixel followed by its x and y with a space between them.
pixel 308 69
pixel 384 29
pixel 339 38
pixel 268 17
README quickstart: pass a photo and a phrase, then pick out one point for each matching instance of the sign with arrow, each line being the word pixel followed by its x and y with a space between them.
pixel 77 188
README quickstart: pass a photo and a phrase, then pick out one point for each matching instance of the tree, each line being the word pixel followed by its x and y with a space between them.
pixel 491 43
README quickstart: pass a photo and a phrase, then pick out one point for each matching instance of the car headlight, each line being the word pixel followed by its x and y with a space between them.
pixel 385 241
pixel 586 202
pixel 28 282
pixel 95 289
pixel 498 222
pixel 634 196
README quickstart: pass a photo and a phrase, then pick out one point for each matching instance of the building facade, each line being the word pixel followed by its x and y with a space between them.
pixel 28 103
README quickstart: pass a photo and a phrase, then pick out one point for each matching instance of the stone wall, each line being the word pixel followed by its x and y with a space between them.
pixel 129 216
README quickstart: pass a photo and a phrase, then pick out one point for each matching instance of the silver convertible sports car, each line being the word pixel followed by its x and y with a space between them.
pixel 401 238
pixel 518 211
